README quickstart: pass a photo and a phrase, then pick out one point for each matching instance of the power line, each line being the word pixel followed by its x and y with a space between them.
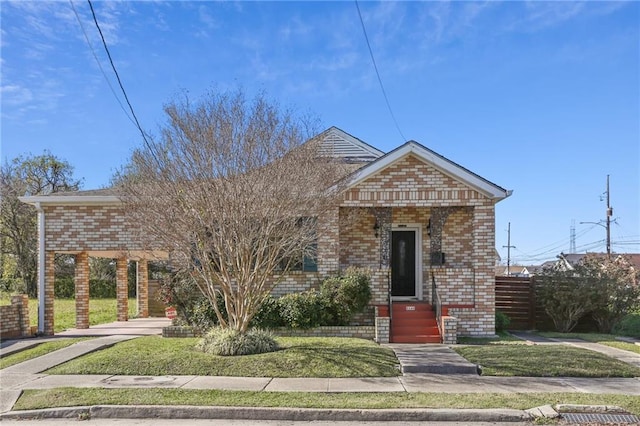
pixel 86 37
pixel 375 66
pixel 106 48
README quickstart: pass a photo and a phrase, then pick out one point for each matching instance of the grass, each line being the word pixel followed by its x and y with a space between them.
pixel 101 311
pixel 299 357
pixel 67 397
pixel 544 361
pixel 502 338
pixel 36 351
pixel 604 339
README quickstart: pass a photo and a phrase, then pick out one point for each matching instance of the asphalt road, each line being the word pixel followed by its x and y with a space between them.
pixel 223 422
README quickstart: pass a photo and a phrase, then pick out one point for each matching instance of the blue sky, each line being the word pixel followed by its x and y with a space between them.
pixel 539 97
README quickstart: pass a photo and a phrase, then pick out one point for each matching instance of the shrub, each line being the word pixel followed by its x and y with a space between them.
pixel 229 342
pixel 629 326
pixel 502 321
pixel 617 293
pixel 192 308
pixel 565 296
pixel 345 295
pixel 268 315
pixel 301 310
pixel 64 288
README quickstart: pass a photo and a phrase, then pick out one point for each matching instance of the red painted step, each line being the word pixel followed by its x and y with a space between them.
pixel 414 322
pixel 417 339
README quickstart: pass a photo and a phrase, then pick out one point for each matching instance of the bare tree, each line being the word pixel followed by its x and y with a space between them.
pixel 28 175
pixel 234 192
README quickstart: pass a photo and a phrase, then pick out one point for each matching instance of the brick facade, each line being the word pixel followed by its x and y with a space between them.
pixel 73 229
pixel 14 318
pixel 412 188
pixel 410 185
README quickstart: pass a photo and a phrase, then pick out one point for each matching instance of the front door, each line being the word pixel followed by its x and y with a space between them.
pixel 403 263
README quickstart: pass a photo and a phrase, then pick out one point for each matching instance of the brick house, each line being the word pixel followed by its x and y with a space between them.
pixel 424 226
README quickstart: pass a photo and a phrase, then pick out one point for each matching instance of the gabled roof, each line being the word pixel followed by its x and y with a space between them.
pixel 435 160
pixel 337 143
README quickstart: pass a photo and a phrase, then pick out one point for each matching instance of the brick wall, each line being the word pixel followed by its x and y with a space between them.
pixel 411 182
pixel 296 282
pixel 362 332
pixel 87 228
pixel 14 318
pixel 412 187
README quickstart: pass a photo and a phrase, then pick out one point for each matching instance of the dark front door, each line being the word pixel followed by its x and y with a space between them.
pixel 403 263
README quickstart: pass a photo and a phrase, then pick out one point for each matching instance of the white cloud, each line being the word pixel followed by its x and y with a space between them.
pixel 13 94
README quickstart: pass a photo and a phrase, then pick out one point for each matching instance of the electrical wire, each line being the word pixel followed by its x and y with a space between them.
pixel 375 66
pixel 106 48
pixel 86 37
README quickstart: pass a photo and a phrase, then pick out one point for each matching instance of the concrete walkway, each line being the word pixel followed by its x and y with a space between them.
pixel 628 357
pixel 29 374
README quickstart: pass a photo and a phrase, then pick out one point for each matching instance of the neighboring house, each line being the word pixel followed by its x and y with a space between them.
pixel 513 271
pixel 567 261
pixel 423 223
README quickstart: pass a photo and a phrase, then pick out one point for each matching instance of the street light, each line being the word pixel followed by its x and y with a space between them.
pixel 607 227
pixel 607 221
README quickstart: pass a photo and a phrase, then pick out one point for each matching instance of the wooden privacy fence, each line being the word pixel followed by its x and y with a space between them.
pixel 515 297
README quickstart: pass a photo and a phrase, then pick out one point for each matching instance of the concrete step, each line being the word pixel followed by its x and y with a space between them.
pixel 432 359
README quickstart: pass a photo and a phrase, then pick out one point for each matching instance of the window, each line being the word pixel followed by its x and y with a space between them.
pixel 305 261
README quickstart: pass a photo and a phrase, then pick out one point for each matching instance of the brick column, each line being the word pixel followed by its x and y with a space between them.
pixel 328 243
pixel 484 267
pixel 121 289
pixel 82 290
pixel 143 288
pixel 50 278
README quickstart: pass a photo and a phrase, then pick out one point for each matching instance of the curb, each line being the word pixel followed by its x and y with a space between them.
pixel 263 413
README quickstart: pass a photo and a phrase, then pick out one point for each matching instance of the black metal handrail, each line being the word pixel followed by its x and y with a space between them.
pixel 389 298
pixel 436 303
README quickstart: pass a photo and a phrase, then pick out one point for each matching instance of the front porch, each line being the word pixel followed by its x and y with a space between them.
pixel 430 273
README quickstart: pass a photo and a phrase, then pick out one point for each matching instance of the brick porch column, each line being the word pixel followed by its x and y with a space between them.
pixel 143 288
pixel 484 261
pixel 122 289
pixel 49 281
pixel 82 290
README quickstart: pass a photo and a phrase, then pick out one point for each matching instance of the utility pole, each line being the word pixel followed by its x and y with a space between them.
pixel 609 214
pixel 509 247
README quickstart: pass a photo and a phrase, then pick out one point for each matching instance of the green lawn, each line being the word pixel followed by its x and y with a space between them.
pixel 39 350
pixel 544 361
pixel 299 357
pixel 604 339
pixel 101 311
pixel 503 338
pixel 67 397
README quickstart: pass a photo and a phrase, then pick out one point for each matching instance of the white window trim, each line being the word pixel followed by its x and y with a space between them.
pixel 417 228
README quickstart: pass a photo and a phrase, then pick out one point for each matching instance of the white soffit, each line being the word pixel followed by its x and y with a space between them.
pixel 72 200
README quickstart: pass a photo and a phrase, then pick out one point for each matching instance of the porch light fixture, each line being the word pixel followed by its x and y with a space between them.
pixel 376 229
pixel 429 228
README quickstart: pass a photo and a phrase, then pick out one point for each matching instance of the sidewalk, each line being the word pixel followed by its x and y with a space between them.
pixel 29 375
